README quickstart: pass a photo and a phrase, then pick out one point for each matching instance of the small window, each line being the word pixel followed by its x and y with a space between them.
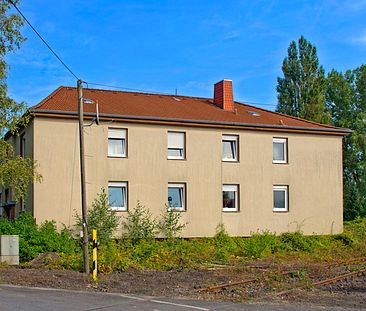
pixel 230 198
pixel 176 143
pixel 117 196
pixel 117 142
pixel 279 150
pixel 176 197
pixel 230 148
pixel 280 198
pixel 22 145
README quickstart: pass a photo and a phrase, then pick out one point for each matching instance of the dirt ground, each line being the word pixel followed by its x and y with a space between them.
pixel 260 283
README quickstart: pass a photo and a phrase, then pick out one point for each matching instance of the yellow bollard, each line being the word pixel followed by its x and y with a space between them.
pixel 95 245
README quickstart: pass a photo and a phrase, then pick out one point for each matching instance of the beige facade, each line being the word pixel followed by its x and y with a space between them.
pixel 313 175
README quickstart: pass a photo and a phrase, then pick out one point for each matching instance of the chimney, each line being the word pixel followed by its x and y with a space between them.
pixel 223 95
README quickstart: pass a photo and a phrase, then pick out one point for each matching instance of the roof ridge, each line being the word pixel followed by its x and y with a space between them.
pixel 44 100
pixel 135 92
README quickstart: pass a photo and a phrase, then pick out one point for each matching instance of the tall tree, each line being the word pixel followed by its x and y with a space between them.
pixel 346 101
pixel 301 91
pixel 15 172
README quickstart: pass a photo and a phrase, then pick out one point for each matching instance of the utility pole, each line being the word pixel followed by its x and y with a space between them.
pixel 82 176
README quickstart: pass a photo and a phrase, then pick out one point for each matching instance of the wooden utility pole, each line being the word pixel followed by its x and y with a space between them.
pixel 82 176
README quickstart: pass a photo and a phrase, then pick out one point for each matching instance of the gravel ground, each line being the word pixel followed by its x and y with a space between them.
pixel 350 292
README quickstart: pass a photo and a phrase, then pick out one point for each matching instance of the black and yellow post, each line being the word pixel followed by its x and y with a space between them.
pixel 95 245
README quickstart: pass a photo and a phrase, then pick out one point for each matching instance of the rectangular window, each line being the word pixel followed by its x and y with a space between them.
pixel 230 148
pixel 176 196
pixel 230 198
pixel 279 150
pixel 176 143
pixel 117 146
pixel 280 198
pixel 22 145
pixel 117 196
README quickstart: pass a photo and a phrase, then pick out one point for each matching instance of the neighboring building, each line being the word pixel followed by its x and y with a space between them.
pixel 214 160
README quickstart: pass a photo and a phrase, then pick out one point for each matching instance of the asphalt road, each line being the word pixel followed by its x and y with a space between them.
pixel 14 298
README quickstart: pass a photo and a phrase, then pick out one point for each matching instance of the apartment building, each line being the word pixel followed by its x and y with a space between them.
pixel 213 160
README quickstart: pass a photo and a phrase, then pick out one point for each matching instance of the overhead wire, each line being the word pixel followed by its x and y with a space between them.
pixel 43 40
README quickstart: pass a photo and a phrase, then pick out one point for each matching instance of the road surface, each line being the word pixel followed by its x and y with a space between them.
pixel 16 298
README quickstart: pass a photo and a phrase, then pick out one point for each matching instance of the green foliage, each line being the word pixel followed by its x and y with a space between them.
pixel 34 239
pixel 139 225
pixel 260 245
pixel 100 217
pixel 197 253
pixel 169 224
pixel 301 91
pixel 346 101
pixel 15 172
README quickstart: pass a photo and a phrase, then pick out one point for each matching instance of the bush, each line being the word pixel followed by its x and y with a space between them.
pixel 100 217
pixel 34 239
pixel 169 225
pixel 260 245
pixel 139 225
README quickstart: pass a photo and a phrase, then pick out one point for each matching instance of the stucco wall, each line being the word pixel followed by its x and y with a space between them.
pixel 314 176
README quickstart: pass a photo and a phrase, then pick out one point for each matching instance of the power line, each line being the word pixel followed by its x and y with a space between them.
pixel 43 40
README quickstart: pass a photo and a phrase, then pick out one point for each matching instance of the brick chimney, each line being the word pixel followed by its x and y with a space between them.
pixel 223 95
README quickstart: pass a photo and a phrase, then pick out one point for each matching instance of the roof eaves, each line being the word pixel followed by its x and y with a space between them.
pixel 340 131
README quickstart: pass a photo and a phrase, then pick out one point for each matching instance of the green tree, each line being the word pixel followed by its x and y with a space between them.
pixel 346 101
pixel 301 91
pixel 15 172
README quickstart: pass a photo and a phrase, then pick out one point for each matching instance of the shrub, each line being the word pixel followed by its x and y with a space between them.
pixel 100 217
pixel 34 239
pixel 260 245
pixel 169 224
pixel 224 244
pixel 296 241
pixel 139 225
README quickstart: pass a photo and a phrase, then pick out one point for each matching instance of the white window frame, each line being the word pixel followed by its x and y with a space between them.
pixel 234 188
pixel 230 138
pixel 119 184
pixel 118 134
pixel 175 145
pixel 183 194
pixel 282 141
pixel 284 189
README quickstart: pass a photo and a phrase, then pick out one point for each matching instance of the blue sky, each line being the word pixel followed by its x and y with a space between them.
pixel 185 45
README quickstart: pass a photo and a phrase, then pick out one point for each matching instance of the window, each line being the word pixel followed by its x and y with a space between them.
pixel 279 150
pixel 176 196
pixel 230 148
pixel 280 198
pixel 117 196
pixel 22 145
pixel 117 142
pixel 176 142
pixel 230 198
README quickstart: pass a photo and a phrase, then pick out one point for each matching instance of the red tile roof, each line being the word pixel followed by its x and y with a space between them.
pixel 171 108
